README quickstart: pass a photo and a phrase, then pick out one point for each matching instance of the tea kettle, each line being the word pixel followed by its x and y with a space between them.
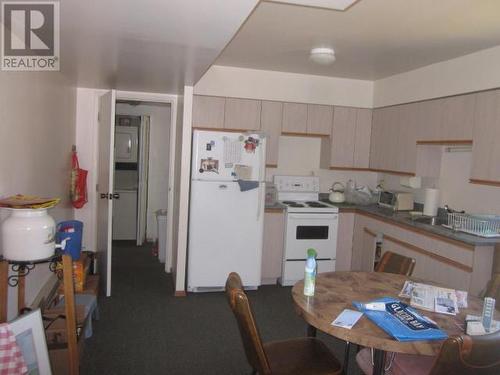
pixel 337 193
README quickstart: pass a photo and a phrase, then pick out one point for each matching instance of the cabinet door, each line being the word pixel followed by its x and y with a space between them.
pixel 430 115
pixel 272 251
pixel 271 119
pixel 344 242
pixel 242 114
pixel 362 138
pixel 407 142
pixel 385 133
pixel 319 119
pixel 126 144
pixel 342 139
pixel 458 117
pixel 486 137
pixel 208 111
pixel 294 118
pixel 376 138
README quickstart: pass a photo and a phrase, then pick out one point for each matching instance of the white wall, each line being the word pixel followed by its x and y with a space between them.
pixel 37 130
pixel 453 174
pixel 159 149
pixel 281 86
pixel 301 156
pixel 473 72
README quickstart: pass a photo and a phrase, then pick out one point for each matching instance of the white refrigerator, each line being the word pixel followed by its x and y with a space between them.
pixel 226 213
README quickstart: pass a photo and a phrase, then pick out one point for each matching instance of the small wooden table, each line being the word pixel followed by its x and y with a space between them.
pixel 335 291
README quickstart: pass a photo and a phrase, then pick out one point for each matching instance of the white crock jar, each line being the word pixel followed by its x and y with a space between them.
pixel 28 234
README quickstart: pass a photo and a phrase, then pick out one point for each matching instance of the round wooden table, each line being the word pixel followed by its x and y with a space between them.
pixel 335 291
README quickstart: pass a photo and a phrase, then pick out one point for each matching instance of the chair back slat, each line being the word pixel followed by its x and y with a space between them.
pixel 396 263
pixel 249 332
pixel 466 355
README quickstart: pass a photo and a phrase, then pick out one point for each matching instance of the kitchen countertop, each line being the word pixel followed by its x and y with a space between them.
pixel 276 206
pixel 404 218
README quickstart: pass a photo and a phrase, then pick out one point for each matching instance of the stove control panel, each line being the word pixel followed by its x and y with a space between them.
pixel 297 184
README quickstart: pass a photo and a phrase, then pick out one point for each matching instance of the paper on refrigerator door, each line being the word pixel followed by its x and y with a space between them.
pixel 232 151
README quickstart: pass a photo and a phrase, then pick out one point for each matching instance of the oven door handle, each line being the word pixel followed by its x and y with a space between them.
pixel 328 216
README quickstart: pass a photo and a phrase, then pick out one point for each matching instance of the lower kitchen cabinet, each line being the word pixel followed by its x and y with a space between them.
pixel 273 243
pixel 344 241
pixel 447 262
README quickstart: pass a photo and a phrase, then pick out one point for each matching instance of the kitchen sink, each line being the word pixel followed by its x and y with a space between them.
pixel 429 220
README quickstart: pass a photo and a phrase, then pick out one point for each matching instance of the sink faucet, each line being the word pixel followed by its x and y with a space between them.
pixel 452 211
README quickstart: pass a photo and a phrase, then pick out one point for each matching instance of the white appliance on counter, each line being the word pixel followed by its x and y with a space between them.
pixel 309 224
pixel 226 209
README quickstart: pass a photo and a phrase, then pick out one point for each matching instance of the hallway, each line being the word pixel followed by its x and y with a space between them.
pixel 144 329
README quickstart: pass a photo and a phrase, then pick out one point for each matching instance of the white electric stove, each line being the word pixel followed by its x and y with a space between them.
pixel 309 224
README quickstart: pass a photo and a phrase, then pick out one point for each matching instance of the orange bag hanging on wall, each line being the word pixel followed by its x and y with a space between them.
pixel 78 190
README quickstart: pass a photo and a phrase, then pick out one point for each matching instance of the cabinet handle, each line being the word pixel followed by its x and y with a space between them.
pixel 116 196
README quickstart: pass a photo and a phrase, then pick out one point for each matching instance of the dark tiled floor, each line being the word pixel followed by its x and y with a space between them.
pixel 143 329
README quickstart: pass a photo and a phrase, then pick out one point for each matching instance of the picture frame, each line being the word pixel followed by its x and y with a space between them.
pixel 30 336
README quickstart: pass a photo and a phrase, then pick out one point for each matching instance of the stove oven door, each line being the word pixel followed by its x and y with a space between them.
pixel 311 230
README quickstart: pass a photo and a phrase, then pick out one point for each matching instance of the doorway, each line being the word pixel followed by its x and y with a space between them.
pixel 107 105
pixel 141 174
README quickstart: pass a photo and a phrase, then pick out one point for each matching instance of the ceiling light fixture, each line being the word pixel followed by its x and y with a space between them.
pixel 322 55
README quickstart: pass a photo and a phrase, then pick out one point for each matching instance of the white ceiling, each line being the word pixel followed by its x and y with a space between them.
pixel 145 45
pixel 372 39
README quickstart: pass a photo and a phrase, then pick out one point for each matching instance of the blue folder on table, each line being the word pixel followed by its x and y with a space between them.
pixel 402 321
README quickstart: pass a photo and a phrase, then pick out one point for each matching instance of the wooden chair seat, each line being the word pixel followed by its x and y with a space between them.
pixel 459 355
pixel 301 356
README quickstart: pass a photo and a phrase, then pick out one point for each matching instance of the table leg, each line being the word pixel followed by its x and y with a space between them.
pixel 347 351
pixel 378 362
pixel 310 331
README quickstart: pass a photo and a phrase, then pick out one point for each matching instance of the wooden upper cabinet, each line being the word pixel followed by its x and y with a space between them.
pixel 294 118
pixel 486 138
pixel 362 138
pixel 242 114
pixel 343 137
pixel 458 117
pixel 208 111
pixel 407 142
pixel 430 115
pixel 319 119
pixel 384 135
pixel 271 119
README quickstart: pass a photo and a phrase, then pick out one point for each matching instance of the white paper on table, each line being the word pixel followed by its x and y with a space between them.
pixel 347 318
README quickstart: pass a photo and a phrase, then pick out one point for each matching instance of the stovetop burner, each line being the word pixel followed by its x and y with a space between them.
pixel 293 204
pixel 316 204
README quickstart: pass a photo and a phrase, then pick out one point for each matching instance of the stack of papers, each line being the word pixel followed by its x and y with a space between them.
pixel 433 298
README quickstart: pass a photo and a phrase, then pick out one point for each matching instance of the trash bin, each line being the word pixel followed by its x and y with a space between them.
pixel 72 231
pixel 161 218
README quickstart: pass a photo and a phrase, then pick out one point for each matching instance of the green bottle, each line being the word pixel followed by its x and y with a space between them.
pixel 310 273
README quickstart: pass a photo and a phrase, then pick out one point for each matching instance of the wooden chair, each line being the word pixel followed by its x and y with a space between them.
pixel 493 288
pixel 301 356
pixel 390 263
pixel 396 263
pixel 459 355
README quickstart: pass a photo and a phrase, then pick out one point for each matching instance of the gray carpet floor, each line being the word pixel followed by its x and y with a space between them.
pixel 144 329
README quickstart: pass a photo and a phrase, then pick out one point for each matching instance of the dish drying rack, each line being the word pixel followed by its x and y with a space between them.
pixel 479 225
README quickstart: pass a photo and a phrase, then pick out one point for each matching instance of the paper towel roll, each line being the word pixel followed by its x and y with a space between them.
pixel 431 202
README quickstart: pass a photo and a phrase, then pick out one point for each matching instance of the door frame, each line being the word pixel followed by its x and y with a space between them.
pixel 142 187
pixel 172 100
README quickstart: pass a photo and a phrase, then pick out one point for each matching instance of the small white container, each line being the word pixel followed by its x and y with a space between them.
pixel 28 234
